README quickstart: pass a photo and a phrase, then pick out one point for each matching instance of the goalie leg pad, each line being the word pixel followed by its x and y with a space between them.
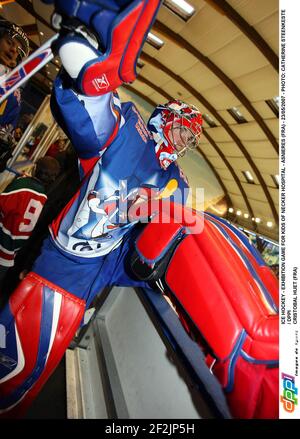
pixel 227 299
pixel 36 327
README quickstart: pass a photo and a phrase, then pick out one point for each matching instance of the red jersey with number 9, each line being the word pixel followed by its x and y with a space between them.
pixel 21 204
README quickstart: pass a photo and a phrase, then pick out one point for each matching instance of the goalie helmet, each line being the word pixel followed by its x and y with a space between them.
pixel 15 32
pixel 176 128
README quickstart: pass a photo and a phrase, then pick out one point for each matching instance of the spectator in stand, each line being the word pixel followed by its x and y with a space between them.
pixel 56 147
pixel 8 141
pixel 14 45
pixel 60 192
pixel 33 145
pixel 18 133
pixel 21 204
pixel 25 120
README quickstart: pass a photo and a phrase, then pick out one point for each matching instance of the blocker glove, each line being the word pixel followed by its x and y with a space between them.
pixel 100 40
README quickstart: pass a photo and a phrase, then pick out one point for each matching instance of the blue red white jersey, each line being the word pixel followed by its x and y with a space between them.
pixel 21 204
pixel 11 107
pixel 10 110
pixel 117 160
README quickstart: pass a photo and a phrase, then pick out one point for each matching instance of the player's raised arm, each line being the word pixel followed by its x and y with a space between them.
pixel 100 42
pixel 99 45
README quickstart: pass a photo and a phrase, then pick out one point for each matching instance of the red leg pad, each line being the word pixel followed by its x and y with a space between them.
pixel 40 321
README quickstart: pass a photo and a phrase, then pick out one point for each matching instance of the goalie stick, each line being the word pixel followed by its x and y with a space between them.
pixel 31 65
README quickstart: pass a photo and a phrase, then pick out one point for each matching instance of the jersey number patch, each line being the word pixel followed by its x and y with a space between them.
pixel 31 216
